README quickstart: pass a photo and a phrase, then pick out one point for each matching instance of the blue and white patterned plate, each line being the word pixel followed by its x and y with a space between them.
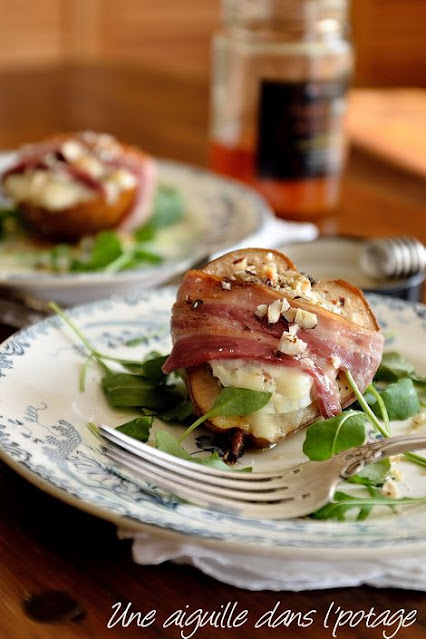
pixel 44 436
pixel 220 213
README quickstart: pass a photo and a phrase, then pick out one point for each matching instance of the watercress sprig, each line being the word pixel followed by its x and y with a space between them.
pixel 327 437
pixel 385 431
pixel 342 503
pixel 374 421
pixel 94 354
pixel 145 388
pixel 235 402
pixel 150 368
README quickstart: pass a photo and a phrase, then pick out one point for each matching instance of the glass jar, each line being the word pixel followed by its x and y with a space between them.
pixel 280 78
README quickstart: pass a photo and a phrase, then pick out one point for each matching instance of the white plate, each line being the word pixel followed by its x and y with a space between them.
pixel 43 435
pixel 219 214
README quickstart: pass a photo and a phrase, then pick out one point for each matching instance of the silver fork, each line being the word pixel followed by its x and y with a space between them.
pixel 292 492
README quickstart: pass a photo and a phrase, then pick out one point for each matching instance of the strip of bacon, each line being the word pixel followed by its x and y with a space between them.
pixel 193 351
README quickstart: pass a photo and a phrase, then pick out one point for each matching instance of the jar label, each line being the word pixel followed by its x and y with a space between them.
pixel 300 128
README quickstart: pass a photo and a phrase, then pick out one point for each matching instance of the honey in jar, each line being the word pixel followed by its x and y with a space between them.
pixel 280 79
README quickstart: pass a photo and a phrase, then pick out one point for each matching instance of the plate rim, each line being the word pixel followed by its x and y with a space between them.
pixel 263 550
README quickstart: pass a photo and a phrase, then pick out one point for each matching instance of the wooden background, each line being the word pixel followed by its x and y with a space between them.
pixel 175 34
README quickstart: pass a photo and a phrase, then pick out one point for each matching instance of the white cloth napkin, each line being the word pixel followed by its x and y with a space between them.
pixel 245 570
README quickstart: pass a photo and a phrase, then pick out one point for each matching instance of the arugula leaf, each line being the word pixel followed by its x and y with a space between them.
pixel 180 414
pixel 60 258
pixel 373 475
pixel 137 428
pixel 169 206
pixel 139 255
pixel 232 402
pixel 168 209
pixel 166 442
pixel 10 219
pixel 385 431
pixel 106 248
pixel 130 365
pixel 126 390
pixel 145 233
pixel 238 401
pixel 94 430
pixel 132 256
pixel 136 341
pixel 151 368
pixel 325 438
pixel 400 399
pixel 342 504
pixel 392 367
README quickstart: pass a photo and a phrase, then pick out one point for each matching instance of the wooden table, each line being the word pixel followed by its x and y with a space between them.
pixel 49 546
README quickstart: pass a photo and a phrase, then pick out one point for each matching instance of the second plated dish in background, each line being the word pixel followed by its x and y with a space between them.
pixel 189 215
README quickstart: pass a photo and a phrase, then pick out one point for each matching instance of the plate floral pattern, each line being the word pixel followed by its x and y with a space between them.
pixel 44 434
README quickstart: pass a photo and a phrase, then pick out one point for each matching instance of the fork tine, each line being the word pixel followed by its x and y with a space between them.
pixel 271 509
pixel 166 460
pixel 293 492
pixel 259 492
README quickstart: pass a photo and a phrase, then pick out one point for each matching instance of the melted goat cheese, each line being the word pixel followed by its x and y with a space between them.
pixel 291 393
pixel 55 191
pixel 52 191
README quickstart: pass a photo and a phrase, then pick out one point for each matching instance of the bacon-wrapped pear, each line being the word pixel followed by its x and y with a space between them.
pixel 250 320
pixel 77 184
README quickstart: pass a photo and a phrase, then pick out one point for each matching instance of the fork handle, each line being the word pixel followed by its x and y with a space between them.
pixel 356 458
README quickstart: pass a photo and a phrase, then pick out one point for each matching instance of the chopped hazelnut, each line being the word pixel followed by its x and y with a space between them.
pixel 291 345
pixel 274 311
pixel 305 319
pixel 293 328
pixel 284 305
pixel 290 314
pixel 261 310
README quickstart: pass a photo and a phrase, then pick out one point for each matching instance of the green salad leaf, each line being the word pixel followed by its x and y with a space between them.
pixel 393 367
pixel 127 390
pixel 146 388
pixel 373 475
pixel 327 437
pixel 400 399
pixel 10 220
pixel 169 206
pixel 167 443
pixel 138 428
pixel 180 413
pixel 235 402
pixel 342 504
pixel 108 250
pixel 105 249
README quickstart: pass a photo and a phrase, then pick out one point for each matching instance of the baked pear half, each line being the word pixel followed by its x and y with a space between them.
pixel 71 185
pixel 250 320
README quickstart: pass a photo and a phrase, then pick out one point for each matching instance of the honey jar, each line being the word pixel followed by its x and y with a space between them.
pixel 280 77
